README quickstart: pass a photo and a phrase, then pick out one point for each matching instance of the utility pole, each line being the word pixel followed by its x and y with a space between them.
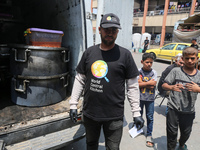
pixel 192 7
pixel 164 23
pixel 144 16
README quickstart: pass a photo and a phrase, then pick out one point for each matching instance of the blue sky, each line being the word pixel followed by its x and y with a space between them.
pixel 94 10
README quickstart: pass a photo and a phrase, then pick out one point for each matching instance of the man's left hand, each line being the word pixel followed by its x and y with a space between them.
pixel 139 122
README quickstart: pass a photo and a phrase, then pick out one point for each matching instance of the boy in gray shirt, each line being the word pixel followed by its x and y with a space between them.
pixel 184 86
pixel 183 83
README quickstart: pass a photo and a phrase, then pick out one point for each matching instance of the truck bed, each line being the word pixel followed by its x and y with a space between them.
pixel 11 113
pixel 19 123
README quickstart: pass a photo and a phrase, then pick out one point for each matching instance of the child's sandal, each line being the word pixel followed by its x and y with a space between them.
pixel 149 141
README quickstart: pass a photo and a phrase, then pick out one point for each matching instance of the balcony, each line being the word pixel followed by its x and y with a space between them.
pixel 170 12
pixel 155 18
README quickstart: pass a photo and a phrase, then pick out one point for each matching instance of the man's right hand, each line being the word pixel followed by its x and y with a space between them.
pixel 177 87
pixel 73 115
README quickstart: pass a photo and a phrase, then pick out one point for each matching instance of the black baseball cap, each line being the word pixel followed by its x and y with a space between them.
pixel 194 39
pixel 110 20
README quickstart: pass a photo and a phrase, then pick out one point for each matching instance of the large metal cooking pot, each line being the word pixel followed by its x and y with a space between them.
pixel 39 90
pixel 38 61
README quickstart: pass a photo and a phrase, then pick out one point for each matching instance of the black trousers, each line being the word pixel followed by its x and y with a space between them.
pixel 112 132
pixel 144 50
pixel 184 121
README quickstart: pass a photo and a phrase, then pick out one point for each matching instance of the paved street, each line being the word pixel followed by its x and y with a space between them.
pixel 159 132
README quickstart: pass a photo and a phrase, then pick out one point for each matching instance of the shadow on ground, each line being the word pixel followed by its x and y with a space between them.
pixel 159 142
pixel 160 110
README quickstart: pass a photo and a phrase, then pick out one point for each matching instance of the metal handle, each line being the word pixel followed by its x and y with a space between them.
pixel 24 86
pixel 25 55
pixel 64 56
pixel 64 80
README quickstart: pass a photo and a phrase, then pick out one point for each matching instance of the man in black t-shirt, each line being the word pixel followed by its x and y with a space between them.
pixel 194 43
pixel 146 43
pixel 102 73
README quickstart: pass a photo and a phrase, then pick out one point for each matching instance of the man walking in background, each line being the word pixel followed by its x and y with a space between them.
pixel 146 43
pixel 194 43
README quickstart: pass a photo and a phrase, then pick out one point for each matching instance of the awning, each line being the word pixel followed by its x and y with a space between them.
pixel 185 30
pixel 191 20
pixel 179 36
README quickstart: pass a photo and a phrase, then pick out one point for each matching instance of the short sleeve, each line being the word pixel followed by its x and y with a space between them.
pixel 81 68
pixel 170 78
pixel 155 75
pixel 131 68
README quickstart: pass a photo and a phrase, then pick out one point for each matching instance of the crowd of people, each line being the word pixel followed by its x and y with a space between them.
pixel 103 72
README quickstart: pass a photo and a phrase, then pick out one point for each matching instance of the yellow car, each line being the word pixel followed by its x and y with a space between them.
pixel 168 51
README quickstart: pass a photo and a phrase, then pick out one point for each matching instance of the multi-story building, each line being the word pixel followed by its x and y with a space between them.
pixel 178 9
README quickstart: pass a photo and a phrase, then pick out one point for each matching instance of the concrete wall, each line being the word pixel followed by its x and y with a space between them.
pixel 156 30
pixel 124 10
pixel 158 20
